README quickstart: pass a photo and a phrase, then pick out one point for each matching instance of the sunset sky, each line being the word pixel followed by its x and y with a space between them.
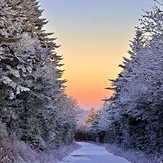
pixel 94 36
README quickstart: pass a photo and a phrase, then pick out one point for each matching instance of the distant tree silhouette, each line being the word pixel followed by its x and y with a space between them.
pixel 91 115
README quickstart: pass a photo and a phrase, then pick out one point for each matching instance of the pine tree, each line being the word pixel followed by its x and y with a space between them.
pixel 26 54
pixel 91 115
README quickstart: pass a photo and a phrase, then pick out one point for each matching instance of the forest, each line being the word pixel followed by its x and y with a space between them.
pixel 37 115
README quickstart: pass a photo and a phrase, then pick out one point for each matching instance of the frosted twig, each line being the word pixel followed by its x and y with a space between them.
pixel 158 2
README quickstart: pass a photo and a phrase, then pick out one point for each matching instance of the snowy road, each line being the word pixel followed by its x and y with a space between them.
pixel 91 153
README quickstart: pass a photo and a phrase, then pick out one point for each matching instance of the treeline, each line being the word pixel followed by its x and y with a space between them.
pixel 33 105
pixel 133 116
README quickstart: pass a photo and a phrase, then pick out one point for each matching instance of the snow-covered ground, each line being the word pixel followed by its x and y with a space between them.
pixel 133 155
pixel 92 153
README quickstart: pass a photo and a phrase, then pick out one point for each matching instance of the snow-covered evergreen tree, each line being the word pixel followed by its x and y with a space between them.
pixel 29 75
pixel 137 101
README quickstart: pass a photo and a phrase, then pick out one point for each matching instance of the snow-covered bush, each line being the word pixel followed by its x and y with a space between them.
pixel 61 120
pixel 15 151
pixel 6 150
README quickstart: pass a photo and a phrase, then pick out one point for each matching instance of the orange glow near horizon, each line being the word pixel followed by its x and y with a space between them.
pixel 88 98
pixel 88 75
